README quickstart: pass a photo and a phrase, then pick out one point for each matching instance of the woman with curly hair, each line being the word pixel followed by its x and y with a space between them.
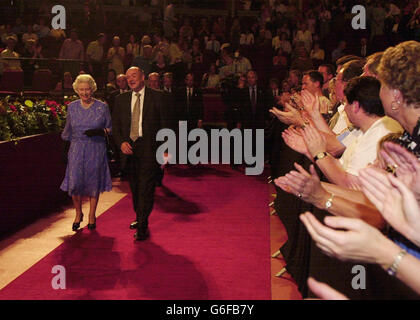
pixel 399 73
pixel 87 174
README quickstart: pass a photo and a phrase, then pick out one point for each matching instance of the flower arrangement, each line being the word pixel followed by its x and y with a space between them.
pixel 21 117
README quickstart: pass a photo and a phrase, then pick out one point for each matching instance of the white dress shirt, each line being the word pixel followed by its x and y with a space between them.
pixel 363 150
pixel 342 122
pixel 133 103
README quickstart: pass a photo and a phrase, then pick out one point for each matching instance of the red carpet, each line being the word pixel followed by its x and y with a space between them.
pixel 209 240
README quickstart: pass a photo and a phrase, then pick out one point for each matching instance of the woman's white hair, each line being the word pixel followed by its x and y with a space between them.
pixel 87 78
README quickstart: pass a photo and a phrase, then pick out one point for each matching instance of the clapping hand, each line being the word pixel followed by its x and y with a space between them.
pixel 394 200
pixel 294 139
pixel 324 291
pixel 405 164
pixel 303 184
pixel 310 103
pixel 291 116
pixel 296 99
pixel 355 241
pixel 315 142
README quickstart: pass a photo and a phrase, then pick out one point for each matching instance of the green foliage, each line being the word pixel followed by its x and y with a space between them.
pixel 23 117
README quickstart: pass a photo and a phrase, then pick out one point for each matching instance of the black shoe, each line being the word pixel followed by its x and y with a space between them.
pixel 141 234
pixel 92 226
pixel 76 225
pixel 134 225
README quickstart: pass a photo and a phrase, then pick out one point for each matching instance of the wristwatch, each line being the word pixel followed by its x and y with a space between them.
pixel 328 203
pixel 320 156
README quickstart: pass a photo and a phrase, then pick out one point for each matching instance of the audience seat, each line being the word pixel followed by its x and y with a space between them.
pixel 42 83
pixel 11 82
pixel 214 107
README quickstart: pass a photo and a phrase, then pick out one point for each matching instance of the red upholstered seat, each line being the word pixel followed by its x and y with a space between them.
pixel 214 107
pixel 42 82
pixel 11 82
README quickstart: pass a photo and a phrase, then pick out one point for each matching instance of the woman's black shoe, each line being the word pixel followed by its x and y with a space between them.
pixel 76 225
pixel 92 226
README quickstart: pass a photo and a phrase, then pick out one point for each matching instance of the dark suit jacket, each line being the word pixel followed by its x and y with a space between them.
pixel 154 118
pixel 270 99
pixel 194 111
pixel 249 119
pixel 171 112
pixel 358 51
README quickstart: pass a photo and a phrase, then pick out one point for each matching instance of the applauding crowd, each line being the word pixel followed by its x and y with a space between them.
pixel 351 165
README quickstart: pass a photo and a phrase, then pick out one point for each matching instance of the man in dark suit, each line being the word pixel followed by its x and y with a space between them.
pixel 253 110
pixel 272 92
pixel 138 116
pixel 153 82
pixel 167 82
pixel 189 100
pixel 189 106
pixel 169 98
pixel 363 48
pixel 122 87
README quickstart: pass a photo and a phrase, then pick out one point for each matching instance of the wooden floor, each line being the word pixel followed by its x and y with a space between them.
pixel 26 247
pixel 284 287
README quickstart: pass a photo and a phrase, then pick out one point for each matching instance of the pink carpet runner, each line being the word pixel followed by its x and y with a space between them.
pixel 209 240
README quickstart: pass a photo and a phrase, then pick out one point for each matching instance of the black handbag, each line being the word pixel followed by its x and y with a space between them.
pixel 109 149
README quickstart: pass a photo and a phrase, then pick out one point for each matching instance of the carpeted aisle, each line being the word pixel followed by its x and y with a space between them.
pixel 209 240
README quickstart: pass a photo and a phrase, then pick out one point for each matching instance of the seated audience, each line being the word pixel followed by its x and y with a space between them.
pixel 211 79
pixel 9 52
pixel 116 56
pixel 66 84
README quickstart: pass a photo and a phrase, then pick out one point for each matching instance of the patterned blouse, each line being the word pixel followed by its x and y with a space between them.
pixel 412 143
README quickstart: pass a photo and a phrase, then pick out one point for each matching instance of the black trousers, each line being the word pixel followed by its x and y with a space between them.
pixel 159 175
pixel 141 171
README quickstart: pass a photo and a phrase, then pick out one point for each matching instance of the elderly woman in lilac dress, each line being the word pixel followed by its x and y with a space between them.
pixel 87 174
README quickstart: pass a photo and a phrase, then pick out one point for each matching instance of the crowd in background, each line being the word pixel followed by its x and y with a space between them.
pixel 217 49
pixel 342 131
